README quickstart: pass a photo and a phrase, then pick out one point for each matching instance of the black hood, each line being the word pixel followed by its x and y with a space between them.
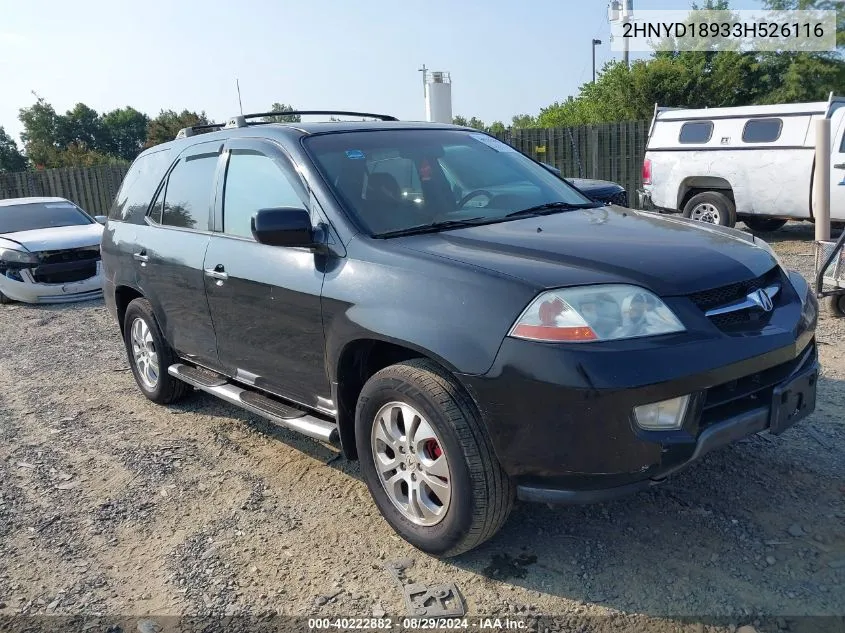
pixel 670 256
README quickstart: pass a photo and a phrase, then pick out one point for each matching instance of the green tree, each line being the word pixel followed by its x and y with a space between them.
pixel 459 120
pixel 497 128
pixel 125 131
pixel 40 135
pixel 477 123
pixel 285 118
pixel 524 121
pixel 11 158
pixel 167 124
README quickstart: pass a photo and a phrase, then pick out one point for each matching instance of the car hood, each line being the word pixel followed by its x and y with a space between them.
pixel 54 238
pixel 670 256
pixel 589 183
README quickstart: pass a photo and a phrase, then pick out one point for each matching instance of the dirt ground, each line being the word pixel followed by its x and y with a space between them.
pixel 112 505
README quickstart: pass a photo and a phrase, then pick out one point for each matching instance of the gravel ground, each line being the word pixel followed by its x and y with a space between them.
pixel 112 505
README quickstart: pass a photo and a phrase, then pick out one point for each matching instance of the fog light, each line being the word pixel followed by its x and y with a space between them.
pixel 662 416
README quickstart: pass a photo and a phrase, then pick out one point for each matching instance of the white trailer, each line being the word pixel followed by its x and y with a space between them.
pixel 751 163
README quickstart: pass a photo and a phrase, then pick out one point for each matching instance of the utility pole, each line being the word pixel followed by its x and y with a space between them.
pixel 627 11
pixel 595 43
pixel 423 70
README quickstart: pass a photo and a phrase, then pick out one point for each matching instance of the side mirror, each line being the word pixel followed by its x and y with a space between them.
pixel 284 226
pixel 101 218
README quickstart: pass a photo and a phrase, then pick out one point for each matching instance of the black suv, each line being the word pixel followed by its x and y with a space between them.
pixel 468 325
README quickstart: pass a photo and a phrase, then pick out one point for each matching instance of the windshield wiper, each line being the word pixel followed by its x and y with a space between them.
pixel 551 207
pixel 436 226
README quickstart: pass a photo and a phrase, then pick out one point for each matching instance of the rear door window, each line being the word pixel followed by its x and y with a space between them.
pixel 189 193
pixel 696 132
pixel 254 181
pixel 762 130
pixel 139 185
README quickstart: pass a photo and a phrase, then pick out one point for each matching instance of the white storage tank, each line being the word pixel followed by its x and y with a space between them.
pixel 438 97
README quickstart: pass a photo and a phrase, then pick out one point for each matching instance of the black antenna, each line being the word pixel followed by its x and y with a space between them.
pixel 240 105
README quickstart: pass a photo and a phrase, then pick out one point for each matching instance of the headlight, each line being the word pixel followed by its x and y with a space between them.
pixel 595 313
pixel 12 256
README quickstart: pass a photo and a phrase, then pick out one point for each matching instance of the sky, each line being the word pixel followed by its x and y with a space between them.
pixel 505 57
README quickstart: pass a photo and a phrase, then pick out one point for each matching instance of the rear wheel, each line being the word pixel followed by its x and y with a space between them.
pixel 835 305
pixel 428 461
pixel 712 207
pixel 149 354
pixel 763 225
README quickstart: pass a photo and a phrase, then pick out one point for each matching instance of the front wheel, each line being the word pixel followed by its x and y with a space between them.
pixel 428 461
pixel 4 300
pixel 712 207
pixel 763 225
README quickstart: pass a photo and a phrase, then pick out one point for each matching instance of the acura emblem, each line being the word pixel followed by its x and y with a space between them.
pixel 761 299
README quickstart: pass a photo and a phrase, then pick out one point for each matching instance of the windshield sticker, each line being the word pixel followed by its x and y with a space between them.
pixel 495 143
pixel 355 154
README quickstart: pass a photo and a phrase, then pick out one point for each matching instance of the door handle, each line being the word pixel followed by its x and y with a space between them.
pixel 216 273
pixel 839 166
pixel 141 257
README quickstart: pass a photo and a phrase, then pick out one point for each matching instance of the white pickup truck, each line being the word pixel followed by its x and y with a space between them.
pixel 752 163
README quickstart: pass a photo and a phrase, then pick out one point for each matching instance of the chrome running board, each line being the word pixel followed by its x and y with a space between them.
pixel 255 402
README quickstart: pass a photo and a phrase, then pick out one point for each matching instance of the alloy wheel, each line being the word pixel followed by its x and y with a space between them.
pixel 144 353
pixel 411 463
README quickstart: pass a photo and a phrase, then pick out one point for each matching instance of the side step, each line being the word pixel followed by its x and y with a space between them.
pixel 257 403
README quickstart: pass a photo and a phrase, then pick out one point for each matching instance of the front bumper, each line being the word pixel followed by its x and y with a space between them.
pixel 561 417
pixel 791 400
pixel 27 290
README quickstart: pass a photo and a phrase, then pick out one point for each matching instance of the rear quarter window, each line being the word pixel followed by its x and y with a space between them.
pixel 696 132
pixel 762 130
pixel 138 186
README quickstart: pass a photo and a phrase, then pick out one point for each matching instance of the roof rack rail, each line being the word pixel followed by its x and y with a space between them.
pixel 242 120
pixel 185 132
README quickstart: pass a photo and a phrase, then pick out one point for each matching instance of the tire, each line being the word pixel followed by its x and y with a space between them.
pixel 165 388
pixel 4 300
pixel 712 207
pixel 480 492
pixel 763 225
pixel 835 305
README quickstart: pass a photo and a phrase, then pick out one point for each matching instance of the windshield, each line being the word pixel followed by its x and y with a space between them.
pixel 40 215
pixel 394 180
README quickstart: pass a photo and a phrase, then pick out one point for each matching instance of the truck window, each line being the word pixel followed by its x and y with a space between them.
pixel 187 200
pixel 253 182
pixel 139 185
pixel 696 132
pixel 762 130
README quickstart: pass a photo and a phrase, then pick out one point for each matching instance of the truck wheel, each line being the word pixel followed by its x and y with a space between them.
pixel 712 207
pixel 149 354
pixel 428 461
pixel 763 225
pixel 835 305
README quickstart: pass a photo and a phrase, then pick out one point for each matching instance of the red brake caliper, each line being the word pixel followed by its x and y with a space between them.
pixel 432 449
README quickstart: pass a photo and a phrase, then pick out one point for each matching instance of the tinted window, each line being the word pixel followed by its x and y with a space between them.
pixel 399 179
pixel 139 185
pixel 762 130
pixel 253 182
pixel 41 215
pixel 187 201
pixel 842 145
pixel 696 132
